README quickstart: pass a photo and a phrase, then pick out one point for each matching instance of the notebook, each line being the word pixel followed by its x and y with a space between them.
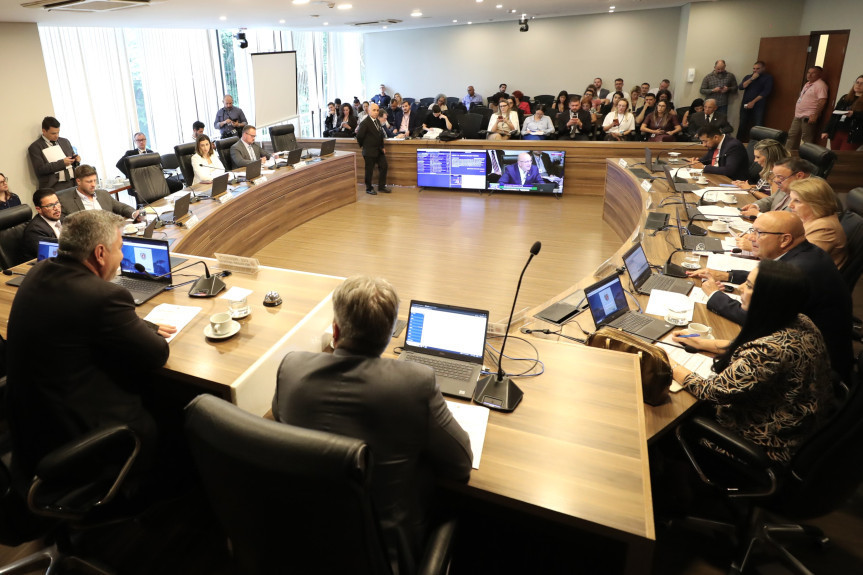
pixel 607 302
pixel 451 340
pixel 181 208
pixel 644 280
pixel 692 243
pixel 155 256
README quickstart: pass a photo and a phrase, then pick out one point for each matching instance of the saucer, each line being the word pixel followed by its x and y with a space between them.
pixel 235 328
pixel 241 315
pixel 714 230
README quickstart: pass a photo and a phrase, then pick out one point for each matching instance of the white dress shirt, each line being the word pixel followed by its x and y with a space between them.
pixel 206 171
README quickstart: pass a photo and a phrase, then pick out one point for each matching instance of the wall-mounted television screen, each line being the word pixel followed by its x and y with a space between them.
pixel 527 171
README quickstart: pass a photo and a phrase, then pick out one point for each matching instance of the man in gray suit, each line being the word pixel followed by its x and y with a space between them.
pixel 87 197
pixel 56 174
pixel 246 151
pixel 394 406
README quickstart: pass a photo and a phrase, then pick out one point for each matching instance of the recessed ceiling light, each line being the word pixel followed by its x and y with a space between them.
pixel 223 18
pixel 479 1
pixel 384 27
pixel 512 11
pixel 326 23
pixel 344 6
pixel 611 11
pixel 416 13
pixel 470 23
pixel 499 6
pixel 611 7
pixel 300 2
pixel 281 21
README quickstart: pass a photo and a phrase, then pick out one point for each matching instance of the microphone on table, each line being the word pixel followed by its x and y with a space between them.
pixel 205 286
pixel 498 391
pixel 7 272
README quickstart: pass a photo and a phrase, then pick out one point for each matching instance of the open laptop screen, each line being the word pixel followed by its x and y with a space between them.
pixel 606 300
pixel 441 328
pixel 636 264
pixel 153 254
pixel 47 249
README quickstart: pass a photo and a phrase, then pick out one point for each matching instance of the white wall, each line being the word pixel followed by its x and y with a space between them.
pixel 821 15
pixel 556 54
pixel 25 99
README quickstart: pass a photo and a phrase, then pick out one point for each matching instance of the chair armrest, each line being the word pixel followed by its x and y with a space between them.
pixel 739 455
pixel 439 549
pixel 83 474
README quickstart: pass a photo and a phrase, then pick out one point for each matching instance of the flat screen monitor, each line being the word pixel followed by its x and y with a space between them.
pixel 525 171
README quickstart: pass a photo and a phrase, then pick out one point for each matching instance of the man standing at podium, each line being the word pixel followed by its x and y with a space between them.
pixel 370 137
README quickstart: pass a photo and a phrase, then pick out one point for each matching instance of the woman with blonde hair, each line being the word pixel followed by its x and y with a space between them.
pixel 619 124
pixel 767 153
pixel 816 204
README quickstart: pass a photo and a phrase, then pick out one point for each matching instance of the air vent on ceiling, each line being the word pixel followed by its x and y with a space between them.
pixel 386 22
pixel 85 5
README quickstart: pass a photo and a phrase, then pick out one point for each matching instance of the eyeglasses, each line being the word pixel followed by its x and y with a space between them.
pixel 759 233
pixel 50 206
pixel 780 179
pixel 4 181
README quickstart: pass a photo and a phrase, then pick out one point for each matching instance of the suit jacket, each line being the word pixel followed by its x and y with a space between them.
pixel 397 408
pixel 37 229
pixel 46 172
pixel 240 155
pixel 123 166
pixel 586 123
pixel 414 121
pixel 829 304
pixel 698 120
pixel 733 160
pixel 79 358
pixel 71 203
pixel 370 138
pixel 511 175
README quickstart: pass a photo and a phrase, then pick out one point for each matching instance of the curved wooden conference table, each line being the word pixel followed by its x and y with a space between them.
pixel 574 453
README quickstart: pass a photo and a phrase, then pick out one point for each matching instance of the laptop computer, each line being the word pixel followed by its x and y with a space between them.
pixel 220 187
pixel 679 186
pixel 328 148
pixel 292 158
pixel 253 171
pixel 181 208
pixel 648 163
pixel 607 302
pixel 451 340
pixel 155 256
pixel 47 248
pixel 689 242
pixel 644 280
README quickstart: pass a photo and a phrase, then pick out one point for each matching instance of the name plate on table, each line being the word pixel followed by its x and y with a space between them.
pixel 260 180
pixel 622 163
pixel 645 185
pixel 225 197
pixel 190 222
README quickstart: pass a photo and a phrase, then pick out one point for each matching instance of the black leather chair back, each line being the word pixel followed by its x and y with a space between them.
pixel 823 158
pixel 454 118
pixel 427 102
pixel 854 201
pixel 290 499
pixel 12 223
pixel 409 100
pixel 451 101
pixel 546 99
pixel 223 148
pixel 146 177
pixel 471 124
pixel 758 133
pixel 170 162
pixel 282 138
pixel 184 153
pixel 852 224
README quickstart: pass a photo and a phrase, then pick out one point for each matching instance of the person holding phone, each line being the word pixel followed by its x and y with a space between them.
pixel 620 124
pixel 57 174
pixel 504 123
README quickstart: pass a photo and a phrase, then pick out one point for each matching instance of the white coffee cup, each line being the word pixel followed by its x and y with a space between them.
pixel 701 329
pixel 730 199
pixel 701 180
pixel 719 226
pixel 220 322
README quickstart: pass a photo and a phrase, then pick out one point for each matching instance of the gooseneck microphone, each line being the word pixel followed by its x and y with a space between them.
pixel 160 223
pixel 497 391
pixel 205 286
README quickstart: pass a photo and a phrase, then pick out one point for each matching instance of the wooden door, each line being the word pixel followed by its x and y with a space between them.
pixel 786 58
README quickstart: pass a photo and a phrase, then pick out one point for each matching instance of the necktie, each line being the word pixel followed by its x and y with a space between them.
pixel 709 118
pixel 574 130
pixel 57 226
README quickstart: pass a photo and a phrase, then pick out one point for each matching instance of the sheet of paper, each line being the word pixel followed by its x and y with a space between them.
pixel 695 362
pixel 236 293
pixel 697 295
pixel 53 153
pixel 728 262
pixel 474 420
pixel 158 209
pixel 661 299
pixel 178 316
pixel 715 212
pixel 267 172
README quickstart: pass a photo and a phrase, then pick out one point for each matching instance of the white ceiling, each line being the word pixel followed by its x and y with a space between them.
pixel 314 14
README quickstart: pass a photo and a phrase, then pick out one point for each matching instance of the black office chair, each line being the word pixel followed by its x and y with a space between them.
pixel 763 133
pixel 452 101
pixel 282 138
pixel 852 225
pixel 820 478
pixel 76 487
pixel 820 156
pixel 146 177
pixel 170 164
pixel 184 153
pixel 454 118
pixel 409 101
pixel 427 102
pixel 292 499
pixel 223 148
pixel 471 124
pixel 12 223
pixel 546 99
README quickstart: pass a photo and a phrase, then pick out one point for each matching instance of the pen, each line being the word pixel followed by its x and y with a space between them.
pixel 689 335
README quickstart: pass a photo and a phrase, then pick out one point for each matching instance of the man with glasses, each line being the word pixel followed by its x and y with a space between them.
pixel 45 224
pixel 778 235
pixel 785 172
pixel 246 151
pixel 725 155
pixel 139 149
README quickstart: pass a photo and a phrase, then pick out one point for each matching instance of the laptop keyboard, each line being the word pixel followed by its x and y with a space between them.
pixel 661 282
pixel 632 322
pixel 443 368
pixel 639 173
pixel 133 284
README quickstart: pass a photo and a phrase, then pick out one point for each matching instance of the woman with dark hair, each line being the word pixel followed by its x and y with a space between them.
pixel 661 124
pixel 665 96
pixel 347 122
pixel 518 100
pixel 7 198
pixel 845 131
pixel 561 104
pixel 696 106
pixel 205 161
pixel 772 382
pixel 605 109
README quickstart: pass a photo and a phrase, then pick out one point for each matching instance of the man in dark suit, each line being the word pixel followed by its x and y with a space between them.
pixel 58 173
pixel 709 117
pixel 45 224
pixel 574 124
pixel 370 137
pixel 522 173
pixel 406 122
pixel 79 357
pixel 394 406
pixel 245 150
pixel 140 148
pixel 781 234
pixel 87 197
pixel 725 155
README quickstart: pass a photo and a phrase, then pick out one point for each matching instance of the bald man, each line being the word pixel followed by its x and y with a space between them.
pixel 780 234
pixel 371 137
